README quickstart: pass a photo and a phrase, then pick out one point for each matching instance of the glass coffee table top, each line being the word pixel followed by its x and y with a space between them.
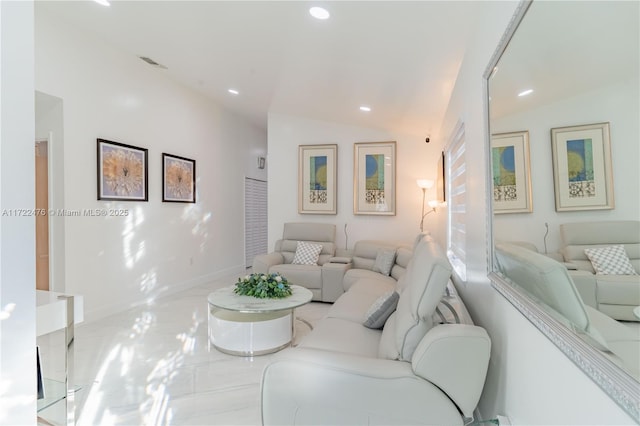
pixel 225 298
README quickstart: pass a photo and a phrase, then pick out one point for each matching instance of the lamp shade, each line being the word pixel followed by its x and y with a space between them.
pixel 425 183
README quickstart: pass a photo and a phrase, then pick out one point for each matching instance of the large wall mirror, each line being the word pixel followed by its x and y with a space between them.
pixel 562 65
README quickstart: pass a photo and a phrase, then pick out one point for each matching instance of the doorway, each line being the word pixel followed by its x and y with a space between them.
pixel 42 214
pixel 49 177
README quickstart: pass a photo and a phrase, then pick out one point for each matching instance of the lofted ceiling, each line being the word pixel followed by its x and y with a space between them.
pixel 399 58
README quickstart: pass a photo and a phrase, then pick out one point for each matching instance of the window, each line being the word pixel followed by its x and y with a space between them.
pixel 456 194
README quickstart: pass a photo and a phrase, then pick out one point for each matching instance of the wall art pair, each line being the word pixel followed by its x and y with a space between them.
pixel 123 174
pixel 582 170
pixel 374 178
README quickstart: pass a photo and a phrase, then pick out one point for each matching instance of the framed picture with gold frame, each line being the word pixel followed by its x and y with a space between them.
pixel 582 170
pixel 511 173
pixel 374 178
pixel 317 179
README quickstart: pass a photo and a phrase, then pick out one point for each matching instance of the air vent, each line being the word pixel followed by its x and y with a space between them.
pixel 152 62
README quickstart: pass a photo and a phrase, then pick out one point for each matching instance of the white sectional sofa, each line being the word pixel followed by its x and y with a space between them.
pixel 412 371
pixel 331 275
pixel 323 277
pixel 550 283
pixel 362 262
pixel 616 295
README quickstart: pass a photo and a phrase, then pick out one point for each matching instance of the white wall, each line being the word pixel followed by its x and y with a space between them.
pixel 414 160
pixel 617 104
pixel 115 262
pixel 17 233
pixel 529 379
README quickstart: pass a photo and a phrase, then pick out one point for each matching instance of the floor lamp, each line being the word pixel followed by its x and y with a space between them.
pixel 425 184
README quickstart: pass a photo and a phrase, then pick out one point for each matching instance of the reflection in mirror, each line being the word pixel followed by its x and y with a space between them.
pixel 567 64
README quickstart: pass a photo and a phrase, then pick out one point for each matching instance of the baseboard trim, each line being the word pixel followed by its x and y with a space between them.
pixel 163 291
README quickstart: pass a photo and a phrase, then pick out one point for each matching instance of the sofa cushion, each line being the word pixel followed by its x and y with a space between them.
pixel 578 236
pixel 334 334
pixel 384 261
pixel 288 250
pixel 365 252
pixel 403 257
pixel 381 309
pixel 611 260
pixel 306 253
pixel 618 289
pixel 354 304
pixel 423 286
pixel 309 276
pixel 354 275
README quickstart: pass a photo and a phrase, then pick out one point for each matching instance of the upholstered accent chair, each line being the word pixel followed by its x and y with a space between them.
pixel 320 275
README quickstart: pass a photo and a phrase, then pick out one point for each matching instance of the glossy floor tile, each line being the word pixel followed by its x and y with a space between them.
pixel 153 365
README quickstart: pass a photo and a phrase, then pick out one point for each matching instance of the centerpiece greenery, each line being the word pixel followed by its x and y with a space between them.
pixel 272 286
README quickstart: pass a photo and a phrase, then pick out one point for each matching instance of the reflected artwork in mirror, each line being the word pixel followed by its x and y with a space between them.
pixel 565 65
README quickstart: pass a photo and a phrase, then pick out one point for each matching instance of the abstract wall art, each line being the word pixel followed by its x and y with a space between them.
pixel 317 176
pixel 178 179
pixel 122 172
pixel 582 169
pixel 511 173
pixel 374 178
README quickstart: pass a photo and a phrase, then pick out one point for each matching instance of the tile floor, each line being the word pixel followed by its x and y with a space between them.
pixel 152 365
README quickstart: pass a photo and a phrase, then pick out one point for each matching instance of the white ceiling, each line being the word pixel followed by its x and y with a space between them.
pixel 560 56
pixel 399 58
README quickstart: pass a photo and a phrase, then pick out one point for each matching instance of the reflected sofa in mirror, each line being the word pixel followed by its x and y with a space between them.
pixel 573 63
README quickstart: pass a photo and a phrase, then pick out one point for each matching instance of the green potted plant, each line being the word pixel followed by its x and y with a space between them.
pixel 271 286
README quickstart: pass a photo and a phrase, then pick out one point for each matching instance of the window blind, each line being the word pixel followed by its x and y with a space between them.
pixel 457 227
pixel 255 219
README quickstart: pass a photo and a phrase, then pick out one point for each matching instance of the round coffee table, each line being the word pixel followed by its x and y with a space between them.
pixel 249 326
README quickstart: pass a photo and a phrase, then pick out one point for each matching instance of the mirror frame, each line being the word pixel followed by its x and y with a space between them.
pixel 620 386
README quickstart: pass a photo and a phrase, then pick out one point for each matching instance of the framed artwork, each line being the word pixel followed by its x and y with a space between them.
pixel 582 171
pixel 178 179
pixel 374 178
pixel 122 172
pixel 317 177
pixel 511 173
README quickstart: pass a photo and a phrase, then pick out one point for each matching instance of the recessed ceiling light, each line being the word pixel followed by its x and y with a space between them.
pixel 365 108
pixel 103 2
pixel 526 92
pixel 319 13
pixel 233 91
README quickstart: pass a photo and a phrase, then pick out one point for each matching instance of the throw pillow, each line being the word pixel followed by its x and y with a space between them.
pixel 611 260
pixel 381 310
pixel 384 261
pixel 307 253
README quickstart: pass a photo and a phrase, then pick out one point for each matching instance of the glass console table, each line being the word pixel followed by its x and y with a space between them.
pixel 54 312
